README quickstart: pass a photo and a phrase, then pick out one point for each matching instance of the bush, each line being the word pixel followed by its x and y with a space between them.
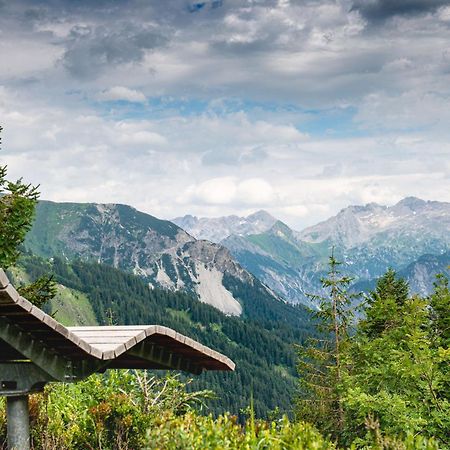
pixel 126 410
pixel 199 432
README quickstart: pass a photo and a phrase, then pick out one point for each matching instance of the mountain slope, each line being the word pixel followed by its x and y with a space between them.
pixel 280 261
pixel 157 250
pixel 421 274
pixel 425 222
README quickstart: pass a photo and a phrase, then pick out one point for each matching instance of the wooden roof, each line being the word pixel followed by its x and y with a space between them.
pixel 27 333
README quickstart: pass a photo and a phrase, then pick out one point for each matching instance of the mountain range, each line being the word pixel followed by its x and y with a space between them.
pixel 158 251
pixel 113 263
pixel 412 236
pixel 257 253
pixel 217 229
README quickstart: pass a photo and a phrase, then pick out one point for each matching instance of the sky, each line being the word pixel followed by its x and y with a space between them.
pixel 220 107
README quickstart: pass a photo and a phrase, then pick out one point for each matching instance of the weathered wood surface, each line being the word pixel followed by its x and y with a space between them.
pixel 27 333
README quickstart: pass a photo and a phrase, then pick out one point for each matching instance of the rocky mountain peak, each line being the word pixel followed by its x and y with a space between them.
pixel 410 204
pixel 280 229
pixel 188 221
pixel 261 216
pixel 355 225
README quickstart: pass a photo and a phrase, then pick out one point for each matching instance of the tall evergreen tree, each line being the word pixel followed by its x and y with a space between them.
pixel 440 311
pixel 17 204
pixel 321 361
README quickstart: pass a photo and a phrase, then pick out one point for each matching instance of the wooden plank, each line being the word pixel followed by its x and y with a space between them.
pixel 3 279
pixel 109 328
pixel 8 295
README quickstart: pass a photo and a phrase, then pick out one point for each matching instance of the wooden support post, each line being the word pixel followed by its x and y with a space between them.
pixel 18 417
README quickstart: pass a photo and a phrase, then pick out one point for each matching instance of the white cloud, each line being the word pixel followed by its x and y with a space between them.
pixel 255 192
pixel 215 191
pixel 158 165
pixel 229 190
pixel 410 110
pixel 121 93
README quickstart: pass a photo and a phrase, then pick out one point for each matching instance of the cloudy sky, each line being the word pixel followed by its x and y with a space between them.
pixel 228 106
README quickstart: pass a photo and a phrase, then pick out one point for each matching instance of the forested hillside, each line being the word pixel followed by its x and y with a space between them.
pixel 261 344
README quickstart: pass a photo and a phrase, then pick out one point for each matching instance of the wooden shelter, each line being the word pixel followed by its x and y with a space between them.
pixel 35 349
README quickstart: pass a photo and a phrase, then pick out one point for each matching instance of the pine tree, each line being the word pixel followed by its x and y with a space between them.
pixel 384 304
pixel 440 311
pixel 322 360
pixel 17 205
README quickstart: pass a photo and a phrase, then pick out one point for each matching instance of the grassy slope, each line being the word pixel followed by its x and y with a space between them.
pixel 280 243
pixel 69 306
pixel 72 308
pixel 51 219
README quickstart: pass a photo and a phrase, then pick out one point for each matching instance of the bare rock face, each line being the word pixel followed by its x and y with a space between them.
pixel 157 250
pixel 421 274
pixel 218 257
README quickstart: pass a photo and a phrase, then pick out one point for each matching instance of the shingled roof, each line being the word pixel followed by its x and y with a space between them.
pixel 72 353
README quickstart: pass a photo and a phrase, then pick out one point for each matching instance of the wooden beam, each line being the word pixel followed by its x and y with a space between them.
pixel 21 378
pixel 150 352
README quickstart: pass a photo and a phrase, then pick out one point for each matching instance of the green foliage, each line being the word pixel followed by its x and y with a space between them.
pixel 385 304
pixel 196 432
pixel 399 370
pixel 394 376
pixel 124 410
pixel 112 411
pixel 375 439
pixel 440 311
pixel 39 292
pixel 17 205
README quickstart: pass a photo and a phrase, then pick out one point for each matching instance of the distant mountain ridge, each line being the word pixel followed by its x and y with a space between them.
pixel 369 238
pixel 355 225
pixel 157 250
pixel 217 229
pixel 263 256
